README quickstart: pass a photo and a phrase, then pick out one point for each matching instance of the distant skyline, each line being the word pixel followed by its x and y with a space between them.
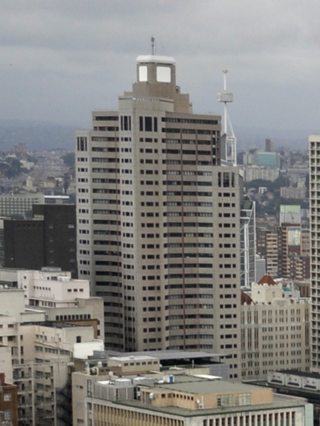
pixel 62 59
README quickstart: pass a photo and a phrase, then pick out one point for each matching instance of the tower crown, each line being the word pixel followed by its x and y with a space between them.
pixel 156 69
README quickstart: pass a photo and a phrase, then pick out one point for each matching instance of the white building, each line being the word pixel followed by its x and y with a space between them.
pixel 61 297
pixel 254 172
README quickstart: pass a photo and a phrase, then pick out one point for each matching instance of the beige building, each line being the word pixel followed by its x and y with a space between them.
pixel 275 331
pixel 158 220
pixel 314 162
pixel 272 253
pixel 182 401
pixel 62 298
pixel 36 354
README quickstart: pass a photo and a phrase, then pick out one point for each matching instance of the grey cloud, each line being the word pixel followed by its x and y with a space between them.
pixel 65 57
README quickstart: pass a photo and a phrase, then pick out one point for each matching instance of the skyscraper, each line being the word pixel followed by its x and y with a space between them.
pixel 159 219
pixel 314 161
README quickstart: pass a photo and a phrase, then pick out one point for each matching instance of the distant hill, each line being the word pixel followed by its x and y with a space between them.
pixel 37 136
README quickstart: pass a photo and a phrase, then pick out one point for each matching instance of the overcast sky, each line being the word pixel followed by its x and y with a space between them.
pixel 60 59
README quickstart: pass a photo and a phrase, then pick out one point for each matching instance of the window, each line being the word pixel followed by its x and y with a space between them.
pixel 148 124
pixel 82 144
pixel 7 415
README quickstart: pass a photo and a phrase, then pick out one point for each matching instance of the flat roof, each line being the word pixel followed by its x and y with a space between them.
pixel 156 59
pixel 278 403
pixel 166 355
pixel 196 385
pixel 134 358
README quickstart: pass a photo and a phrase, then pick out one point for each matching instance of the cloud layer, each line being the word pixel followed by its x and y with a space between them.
pixel 61 59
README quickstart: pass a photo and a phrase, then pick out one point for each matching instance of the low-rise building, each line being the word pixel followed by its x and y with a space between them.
pixel 181 400
pixel 37 354
pixel 62 298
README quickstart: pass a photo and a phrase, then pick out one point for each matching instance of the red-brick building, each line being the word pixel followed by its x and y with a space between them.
pixel 8 403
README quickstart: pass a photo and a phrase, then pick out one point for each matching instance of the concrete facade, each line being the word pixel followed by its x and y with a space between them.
pixel 19 204
pixel 62 298
pixel 53 234
pixel 36 354
pixel 275 331
pixel 314 145
pixel 152 204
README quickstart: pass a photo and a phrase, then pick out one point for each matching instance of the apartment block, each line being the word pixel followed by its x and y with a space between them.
pixel 275 330
pixel 36 354
pixel 158 220
pixel 285 249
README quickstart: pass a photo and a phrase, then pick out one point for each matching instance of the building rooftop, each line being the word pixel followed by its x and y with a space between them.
pixel 166 355
pixel 196 385
pixel 279 402
pixel 267 279
pixel 156 59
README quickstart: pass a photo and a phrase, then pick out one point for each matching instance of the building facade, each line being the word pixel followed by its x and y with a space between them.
pixel 314 158
pixel 19 204
pixel 275 331
pixel 254 172
pixel 8 403
pixel 36 354
pixel 62 298
pixel 285 249
pixel 180 400
pixel 53 234
pixel 158 220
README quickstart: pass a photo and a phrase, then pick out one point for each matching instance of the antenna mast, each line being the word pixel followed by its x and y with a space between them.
pixel 152 45
pixel 228 139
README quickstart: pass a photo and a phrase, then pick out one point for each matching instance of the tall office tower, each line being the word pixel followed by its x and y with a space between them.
pixel 158 221
pixel 314 164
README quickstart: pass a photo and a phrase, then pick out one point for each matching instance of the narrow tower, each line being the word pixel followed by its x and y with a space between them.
pixel 228 139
